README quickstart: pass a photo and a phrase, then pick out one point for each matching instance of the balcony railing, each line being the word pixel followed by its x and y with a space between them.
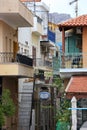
pixel 8 57
pixel 70 60
pixel 39 63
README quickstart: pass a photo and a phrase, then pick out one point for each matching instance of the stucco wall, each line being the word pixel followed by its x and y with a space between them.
pixel 36 43
pixel 6 37
pixel 84 47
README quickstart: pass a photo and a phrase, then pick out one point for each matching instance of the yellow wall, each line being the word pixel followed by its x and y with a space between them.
pixel 7 37
pixel 84 47
pixel 52 26
pixel 1 37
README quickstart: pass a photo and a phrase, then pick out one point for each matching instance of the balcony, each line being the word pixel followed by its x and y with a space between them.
pixel 37 29
pixel 15 14
pixel 68 64
pixel 15 65
pixel 43 64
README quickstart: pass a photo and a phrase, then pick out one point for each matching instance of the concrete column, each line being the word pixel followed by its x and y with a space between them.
pixel 63 39
pixel 74 113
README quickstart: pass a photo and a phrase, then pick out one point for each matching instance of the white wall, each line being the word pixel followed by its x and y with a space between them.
pixel 41 10
pixel 24 35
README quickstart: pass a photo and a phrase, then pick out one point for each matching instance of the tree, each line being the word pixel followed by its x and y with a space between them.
pixel 7 106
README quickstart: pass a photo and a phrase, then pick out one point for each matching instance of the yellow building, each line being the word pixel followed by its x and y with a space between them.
pixel 12 65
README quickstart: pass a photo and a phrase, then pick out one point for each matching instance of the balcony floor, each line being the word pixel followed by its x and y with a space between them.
pixel 16 70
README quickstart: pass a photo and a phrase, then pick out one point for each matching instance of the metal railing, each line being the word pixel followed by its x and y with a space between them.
pixel 40 62
pixel 6 57
pixel 70 60
pixel 9 57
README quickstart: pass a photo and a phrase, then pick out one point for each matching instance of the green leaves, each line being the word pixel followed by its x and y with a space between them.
pixel 63 113
pixel 58 82
pixel 7 107
pixel 7 103
pixel 1 116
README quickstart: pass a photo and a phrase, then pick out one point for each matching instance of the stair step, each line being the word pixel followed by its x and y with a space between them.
pixel 25 106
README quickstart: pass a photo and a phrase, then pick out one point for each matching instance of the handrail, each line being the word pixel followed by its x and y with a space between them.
pixel 40 62
pixel 10 57
pixel 70 60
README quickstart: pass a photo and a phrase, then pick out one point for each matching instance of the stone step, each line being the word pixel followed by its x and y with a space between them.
pixel 25 106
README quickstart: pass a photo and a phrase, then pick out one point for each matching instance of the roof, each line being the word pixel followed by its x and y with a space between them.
pixel 78 21
pixel 77 84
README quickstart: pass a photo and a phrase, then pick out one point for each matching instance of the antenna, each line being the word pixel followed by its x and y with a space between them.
pixel 76 8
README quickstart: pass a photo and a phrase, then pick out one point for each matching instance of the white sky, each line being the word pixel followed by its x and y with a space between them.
pixel 62 6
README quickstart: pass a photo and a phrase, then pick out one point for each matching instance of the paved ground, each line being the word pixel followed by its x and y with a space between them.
pixel 84 126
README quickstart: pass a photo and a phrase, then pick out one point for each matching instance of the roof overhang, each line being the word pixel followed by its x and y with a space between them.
pixel 77 87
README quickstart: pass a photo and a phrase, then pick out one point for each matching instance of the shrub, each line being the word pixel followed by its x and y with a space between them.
pixel 7 106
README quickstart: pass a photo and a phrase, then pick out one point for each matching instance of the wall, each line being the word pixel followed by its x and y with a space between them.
pixel 11 83
pixel 42 12
pixel 84 47
pixel 36 43
pixel 24 36
pixel 6 37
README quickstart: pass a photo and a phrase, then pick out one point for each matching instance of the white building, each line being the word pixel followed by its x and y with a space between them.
pixel 29 40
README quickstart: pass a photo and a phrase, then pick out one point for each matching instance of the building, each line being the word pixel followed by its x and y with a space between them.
pixel 39 46
pixel 73 66
pixel 43 71
pixel 12 65
pixel 55 36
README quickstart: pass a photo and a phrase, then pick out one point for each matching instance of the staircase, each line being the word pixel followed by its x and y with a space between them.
pixel 25 108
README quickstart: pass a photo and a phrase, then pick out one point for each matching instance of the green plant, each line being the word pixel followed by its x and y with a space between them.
pixel 58 83
pixel 1 116
pixel 7 106
pixel 62 114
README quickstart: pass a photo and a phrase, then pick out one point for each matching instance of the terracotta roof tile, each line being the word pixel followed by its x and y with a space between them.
pixel 77 84
pixel 78 21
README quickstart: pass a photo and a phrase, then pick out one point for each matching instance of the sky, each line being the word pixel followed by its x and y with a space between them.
pixel 62 6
